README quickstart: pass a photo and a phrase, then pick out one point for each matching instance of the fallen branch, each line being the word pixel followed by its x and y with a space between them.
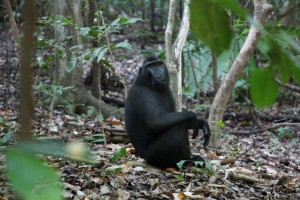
pixel 288 86
pixel 274 126
pixel 269 118
pixel 228 161
pixel 239 177
pixel 254 146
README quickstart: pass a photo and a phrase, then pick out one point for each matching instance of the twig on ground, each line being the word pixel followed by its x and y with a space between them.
pixel 273 126
pixel 237 177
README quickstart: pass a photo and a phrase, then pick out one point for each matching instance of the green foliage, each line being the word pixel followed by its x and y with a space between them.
pixel 264 88
pixel 5 127
pixel 209 17
pixel 80 54
pixel 233 150
pixel 119 153
pixel 52 93
pixel 281 60
pixel 208 166
pixel 6 137
pixel 73 150
pixel 221 124
pixel 95 138
pixel 283 64
pixel 124 21
pixel 279 47
pixel 113 170
pixel 284 132
pixel 31 178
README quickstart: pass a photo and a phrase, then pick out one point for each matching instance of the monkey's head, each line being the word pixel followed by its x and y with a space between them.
pixel 154 73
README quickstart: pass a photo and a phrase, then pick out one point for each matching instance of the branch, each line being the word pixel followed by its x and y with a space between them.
pixel 288 86
pixel 169 32
pixel 273 126
pixel 183 31
pixel 237 177
pixel 13 24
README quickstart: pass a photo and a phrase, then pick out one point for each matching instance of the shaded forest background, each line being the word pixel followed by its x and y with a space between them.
pixel 84 57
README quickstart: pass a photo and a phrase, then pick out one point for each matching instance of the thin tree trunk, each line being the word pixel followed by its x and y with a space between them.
pixel 215 72
pixel 79 94
pixel 13 24
pixel 26 114
pixel 152 12
pixel 261 10
pixel 174 51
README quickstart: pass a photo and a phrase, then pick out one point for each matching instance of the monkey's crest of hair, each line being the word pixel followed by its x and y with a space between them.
pixel 150 59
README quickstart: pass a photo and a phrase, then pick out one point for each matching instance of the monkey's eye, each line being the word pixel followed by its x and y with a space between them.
pixel 149 75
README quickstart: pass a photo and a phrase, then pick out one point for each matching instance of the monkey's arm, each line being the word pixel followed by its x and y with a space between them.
pixel 162 121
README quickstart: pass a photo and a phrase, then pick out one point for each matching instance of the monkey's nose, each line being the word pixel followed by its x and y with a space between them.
pixel 159 77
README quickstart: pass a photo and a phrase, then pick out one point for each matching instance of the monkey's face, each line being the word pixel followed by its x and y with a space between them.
pixel 157 75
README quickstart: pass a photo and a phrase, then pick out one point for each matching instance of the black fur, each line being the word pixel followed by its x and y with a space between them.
pixel 157 132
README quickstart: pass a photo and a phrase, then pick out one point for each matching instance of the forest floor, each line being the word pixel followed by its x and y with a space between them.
pixel 255 161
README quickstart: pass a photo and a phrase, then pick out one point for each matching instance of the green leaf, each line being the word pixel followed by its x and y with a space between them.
pixel 180 164
pixel 209 166
pixel 99 118
pixel 66 21
pixel 199 163
pixel 264 88
pixel 221 124
pixel 98 53
pixel 125 20
pixel 95 53
pixel 93 33
pixel 98 140
pixel 31 178
pixel 119 153
pixel 281 59
pixel 133 20
pixel 232 5
pixel 297 74
pixel 74 150
pixel 115 22
pixel 124 45
pixel 102 54
pixel 7 137
pixel 84 30
pixel 211 24
pixel 71 65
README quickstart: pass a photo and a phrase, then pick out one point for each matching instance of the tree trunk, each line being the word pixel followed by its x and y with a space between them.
pixel 174 50
pixel 152 12
pixel 26 112
pixel 13 24
pixel 215 72
pixel 261 10
pixel 74 78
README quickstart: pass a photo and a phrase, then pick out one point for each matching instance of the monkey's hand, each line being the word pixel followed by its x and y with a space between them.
pixel 202 124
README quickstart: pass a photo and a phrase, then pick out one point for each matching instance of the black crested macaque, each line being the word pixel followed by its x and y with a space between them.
pixel 157 132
